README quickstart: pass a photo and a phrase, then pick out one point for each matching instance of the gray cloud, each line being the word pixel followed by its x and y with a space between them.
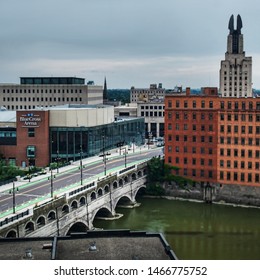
pixel 34 33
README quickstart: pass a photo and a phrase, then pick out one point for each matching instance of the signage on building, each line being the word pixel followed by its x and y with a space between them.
pixel 30 120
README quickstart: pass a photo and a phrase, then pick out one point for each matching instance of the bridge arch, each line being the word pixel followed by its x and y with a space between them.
pixel 74 204
pixel 51 216
pixel 100 192
pixel 106 189
pixel 82 201
pixel 65 209
pixel 140 188
pixel 11 234
pixel 41 221
pixel 93 196
pixel 29 227
pixel 121 182
pixel 140 174
pixel 103 212
pixel 126 179
pixel 124 200
pixel 79 226
pixel 115 184
pixel 133 176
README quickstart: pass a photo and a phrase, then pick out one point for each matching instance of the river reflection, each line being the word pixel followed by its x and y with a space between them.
pixel 196 230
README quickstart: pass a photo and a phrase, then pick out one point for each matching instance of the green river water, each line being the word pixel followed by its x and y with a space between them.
pixel 195 230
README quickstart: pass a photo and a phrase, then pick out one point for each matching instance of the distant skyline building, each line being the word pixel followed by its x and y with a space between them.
pixel 40 92
pixel 236 69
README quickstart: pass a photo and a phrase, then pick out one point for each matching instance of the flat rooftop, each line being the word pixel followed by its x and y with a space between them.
pixel 93 245
pixel 51 81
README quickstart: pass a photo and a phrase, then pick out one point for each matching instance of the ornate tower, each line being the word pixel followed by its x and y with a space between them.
pixel 236 69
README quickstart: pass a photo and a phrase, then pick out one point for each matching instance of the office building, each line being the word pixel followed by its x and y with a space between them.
pixel 236 69
pixel 150 105
pixel 41 136
pixel 213 139
pixel 38 92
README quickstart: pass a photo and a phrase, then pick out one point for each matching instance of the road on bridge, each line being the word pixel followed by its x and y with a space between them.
pixel 71 176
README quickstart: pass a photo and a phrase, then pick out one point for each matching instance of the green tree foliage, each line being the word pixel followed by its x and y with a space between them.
pixel 8 172
pixel 122 95
pixel 160 174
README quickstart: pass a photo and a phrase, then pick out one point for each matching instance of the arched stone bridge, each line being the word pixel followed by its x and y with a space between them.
pixel 77 209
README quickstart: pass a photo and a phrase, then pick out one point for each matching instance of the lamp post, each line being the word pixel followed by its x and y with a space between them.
pixel 125 154
pixel 104 156
pixel 58 160
pixel 29 170
pixel 14 203
pixel 51 184
pixel 81 175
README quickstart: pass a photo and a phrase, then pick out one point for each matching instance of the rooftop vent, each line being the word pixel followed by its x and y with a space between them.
pixel 28 254
pixel 92 247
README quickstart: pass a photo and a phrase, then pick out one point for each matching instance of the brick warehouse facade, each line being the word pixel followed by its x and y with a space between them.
pixel 213 139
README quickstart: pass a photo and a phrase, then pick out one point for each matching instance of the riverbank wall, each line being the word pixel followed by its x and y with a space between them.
pixel 230 194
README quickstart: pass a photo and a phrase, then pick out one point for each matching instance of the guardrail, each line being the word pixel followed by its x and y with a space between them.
pixel 14 218
pixel 81 189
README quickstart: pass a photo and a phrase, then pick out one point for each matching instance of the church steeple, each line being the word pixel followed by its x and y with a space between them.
pixel 105 91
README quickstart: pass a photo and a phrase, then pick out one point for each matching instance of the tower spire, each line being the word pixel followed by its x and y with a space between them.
pixel 105 91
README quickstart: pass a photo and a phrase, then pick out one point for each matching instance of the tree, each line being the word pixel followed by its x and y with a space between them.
pixel 160 174
pixel 8 172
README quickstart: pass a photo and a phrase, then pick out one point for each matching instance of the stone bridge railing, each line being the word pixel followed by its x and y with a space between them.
pixel 76 209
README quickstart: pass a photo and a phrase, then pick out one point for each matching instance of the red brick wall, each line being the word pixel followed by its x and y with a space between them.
pixel 39 120
pixel 235 160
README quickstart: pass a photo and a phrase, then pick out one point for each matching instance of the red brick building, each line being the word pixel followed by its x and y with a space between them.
pixel 213 139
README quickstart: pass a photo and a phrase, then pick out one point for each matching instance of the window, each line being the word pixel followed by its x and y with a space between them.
pixel 31 152
pixel 31 132
pixel 210 104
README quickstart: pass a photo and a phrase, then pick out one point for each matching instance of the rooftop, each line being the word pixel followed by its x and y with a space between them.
pixel 93 245
pixel 52 81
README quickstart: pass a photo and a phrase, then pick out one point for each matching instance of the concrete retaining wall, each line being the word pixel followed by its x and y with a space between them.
pixel 240 195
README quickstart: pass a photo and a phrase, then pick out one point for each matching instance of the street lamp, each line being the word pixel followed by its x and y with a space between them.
pixel 29 170
pixel 104 156
pixel 57 161
pixel 125 154
pixel 13 196
pixel 81 175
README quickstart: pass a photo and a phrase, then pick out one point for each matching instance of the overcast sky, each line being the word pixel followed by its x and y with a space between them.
pixel 131 42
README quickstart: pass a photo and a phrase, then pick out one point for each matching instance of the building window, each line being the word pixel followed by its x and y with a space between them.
pixel 31 132
pixel 31 151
